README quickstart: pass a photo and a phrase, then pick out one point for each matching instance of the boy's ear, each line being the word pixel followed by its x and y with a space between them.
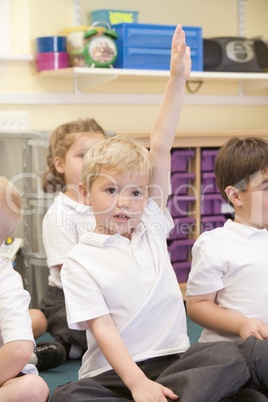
pixel 59 164
pixel 234 195
pixel 84 194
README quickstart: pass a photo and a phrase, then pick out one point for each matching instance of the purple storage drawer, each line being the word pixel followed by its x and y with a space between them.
pixel 179 205
pixel 182 270
pixel 212 204
pixel 179 249
pixel 180 159
pixel 180 182
pixel 182 228
pixel 208 183
pixel 212 222
pixel 208 157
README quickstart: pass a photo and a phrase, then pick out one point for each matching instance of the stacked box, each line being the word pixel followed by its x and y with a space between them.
pixel 183 228
pixel 208 183
pixel 213 206
pixel 212 222
pixel 179 205
pixel 51 53
pixel 180 182
pixel 148 46
pixel 208 157
pixel 179 250
pixel 180 160
pixel 182 270
pixel 113 16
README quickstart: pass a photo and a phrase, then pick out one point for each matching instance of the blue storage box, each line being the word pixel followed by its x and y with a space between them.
pixel 50 44
pixel 113 16
pixel 148 46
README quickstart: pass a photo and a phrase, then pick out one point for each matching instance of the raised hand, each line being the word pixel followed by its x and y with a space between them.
pixel 180 61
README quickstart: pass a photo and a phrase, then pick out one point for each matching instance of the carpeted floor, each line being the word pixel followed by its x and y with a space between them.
pixel 69 370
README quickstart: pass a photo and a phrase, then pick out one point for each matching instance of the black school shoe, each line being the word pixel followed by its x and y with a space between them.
pixel 246 395
pixel 49 355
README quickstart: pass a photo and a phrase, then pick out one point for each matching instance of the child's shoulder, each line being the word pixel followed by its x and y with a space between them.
pixel 213 236
pixel 8 273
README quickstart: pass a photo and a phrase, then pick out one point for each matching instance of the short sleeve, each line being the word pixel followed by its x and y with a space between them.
pixel 206 274
pixel 154 215
pixel 15 321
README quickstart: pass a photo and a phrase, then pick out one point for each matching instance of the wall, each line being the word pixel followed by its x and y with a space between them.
pixel 33 18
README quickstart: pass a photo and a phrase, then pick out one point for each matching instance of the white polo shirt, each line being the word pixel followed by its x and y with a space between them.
pixel 15 321
pixel 134 282
pixel 64 223
pixel 232 261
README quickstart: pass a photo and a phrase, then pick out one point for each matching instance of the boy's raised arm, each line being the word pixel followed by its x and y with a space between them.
pixel 164 128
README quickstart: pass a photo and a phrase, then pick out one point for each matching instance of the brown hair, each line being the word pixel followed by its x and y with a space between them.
pixel 237 160
pixel 10 208
pixel 60 141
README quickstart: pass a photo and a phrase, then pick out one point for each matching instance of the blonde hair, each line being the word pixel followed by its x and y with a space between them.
pixel 10 208
pixel 118 153
pixel 60 141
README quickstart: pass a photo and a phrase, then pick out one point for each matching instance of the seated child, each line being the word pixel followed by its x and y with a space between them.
pixel 226 290
pixel 120 286
pixel 65 221
pixel 19 381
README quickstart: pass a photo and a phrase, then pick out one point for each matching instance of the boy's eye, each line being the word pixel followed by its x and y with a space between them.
pixel 136 193
pixel 111 190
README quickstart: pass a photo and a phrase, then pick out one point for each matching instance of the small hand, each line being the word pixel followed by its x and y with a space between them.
pixel 151 391
pixel 180 61
pixel 253 327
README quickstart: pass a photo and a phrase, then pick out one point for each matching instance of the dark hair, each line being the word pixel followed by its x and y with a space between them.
pixel 60 141
pixel 237 160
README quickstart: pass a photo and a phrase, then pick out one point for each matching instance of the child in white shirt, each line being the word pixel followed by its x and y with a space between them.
pixel 226 290
pixel 120 286
pixel 19 381
pixel 65 221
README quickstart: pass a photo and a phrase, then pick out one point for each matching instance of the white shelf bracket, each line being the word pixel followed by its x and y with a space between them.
pixel 82 83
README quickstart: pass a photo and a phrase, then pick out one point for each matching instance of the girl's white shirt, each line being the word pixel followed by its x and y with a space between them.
pixel 64 223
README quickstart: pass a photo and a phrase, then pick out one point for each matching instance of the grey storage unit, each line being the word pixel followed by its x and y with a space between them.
pixel 23 161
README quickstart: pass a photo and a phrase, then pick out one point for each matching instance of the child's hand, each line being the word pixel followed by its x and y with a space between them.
pixel 180 61
pixel 253 327
pixel 151 391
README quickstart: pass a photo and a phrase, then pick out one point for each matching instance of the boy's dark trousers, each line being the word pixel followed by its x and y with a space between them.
pixel 206 372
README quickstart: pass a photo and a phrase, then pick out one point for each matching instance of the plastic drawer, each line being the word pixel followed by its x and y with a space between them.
pixel 180 160
pixel 208 159
pixel 212 222
pixel 148 46
pixel 179 249
pixel 182 270
pixel 179 205
pixel 212 204
pixel 208 183
pixel 183 227
pixel 180 182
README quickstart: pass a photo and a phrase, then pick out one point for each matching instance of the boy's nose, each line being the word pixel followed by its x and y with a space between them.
pixel 123 201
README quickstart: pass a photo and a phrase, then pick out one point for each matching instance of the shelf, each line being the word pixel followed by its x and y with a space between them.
pixel 87 77
pixel 16 57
